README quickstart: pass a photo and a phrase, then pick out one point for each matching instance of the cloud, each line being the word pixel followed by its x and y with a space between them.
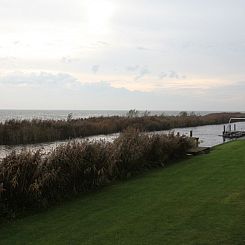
pixel 142 72
pixel 63 91
pixel 140 48
pixel 171 75
pixel 16 42
pixel 163 75
pixel 95 68
pixel 174 74
pixel 40 79
pixel 7 59
pixel 69 60
pixel 102 43
pixel 200 49
pixel 132 68
pixel 41 10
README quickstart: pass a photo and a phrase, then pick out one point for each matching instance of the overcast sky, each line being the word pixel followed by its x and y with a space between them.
pixel 122 54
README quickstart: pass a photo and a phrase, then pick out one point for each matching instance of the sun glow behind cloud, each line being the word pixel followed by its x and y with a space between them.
pixel 99 14
pixel 42 39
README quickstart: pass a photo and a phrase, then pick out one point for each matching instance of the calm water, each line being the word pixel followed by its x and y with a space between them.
pixel 209 136
pixel 62 114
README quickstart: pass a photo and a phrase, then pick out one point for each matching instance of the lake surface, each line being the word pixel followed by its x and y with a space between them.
pixel 62 114
pixel 209 136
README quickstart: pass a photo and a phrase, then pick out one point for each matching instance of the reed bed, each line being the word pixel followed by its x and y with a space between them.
pixel 14 132
pixel 31 180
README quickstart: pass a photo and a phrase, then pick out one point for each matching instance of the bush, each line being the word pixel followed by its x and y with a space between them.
pixel 18 173
pixel 73 168
pixel 129 152
pixel 33 180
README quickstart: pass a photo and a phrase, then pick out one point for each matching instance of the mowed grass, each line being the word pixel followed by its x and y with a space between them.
pixel 196 201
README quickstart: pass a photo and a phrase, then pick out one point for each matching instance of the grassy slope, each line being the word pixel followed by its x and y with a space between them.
pixel 197 201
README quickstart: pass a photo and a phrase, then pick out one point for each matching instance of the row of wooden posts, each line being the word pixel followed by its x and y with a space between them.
pixel 229 128
pixel 191 135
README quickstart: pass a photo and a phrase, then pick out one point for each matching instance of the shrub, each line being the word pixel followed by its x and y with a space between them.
pixel 33 180
pixel 129 151
pixel 18 173
pixel 73 168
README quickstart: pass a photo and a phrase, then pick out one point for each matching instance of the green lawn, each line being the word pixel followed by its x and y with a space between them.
pixel 196 201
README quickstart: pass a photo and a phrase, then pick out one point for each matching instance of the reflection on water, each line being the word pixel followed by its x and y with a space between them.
pixel 49 146
pixel 209 135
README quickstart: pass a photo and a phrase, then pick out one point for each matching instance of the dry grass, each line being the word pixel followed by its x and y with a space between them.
pixel 36 180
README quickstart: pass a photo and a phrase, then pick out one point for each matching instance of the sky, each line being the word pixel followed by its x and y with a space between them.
pixel 122 54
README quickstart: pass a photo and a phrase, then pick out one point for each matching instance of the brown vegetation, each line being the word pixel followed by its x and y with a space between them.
pixel 33 180
pixel 14 132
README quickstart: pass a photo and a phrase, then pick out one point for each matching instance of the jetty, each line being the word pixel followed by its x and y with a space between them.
pixel 198 150
pixel 232 132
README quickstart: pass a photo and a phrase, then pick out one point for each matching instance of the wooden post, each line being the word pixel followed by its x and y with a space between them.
pixel 234 127
pixel 191 133
pixel 197 141
pixel 224 130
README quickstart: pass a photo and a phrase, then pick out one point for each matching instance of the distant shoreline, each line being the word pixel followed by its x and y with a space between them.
pixel 8 114
pixel 16 132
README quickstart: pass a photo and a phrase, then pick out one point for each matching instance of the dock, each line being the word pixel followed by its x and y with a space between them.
pixel 234 134
pixel 198 150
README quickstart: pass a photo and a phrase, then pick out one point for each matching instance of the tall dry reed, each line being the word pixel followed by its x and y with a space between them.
pixel 33 180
